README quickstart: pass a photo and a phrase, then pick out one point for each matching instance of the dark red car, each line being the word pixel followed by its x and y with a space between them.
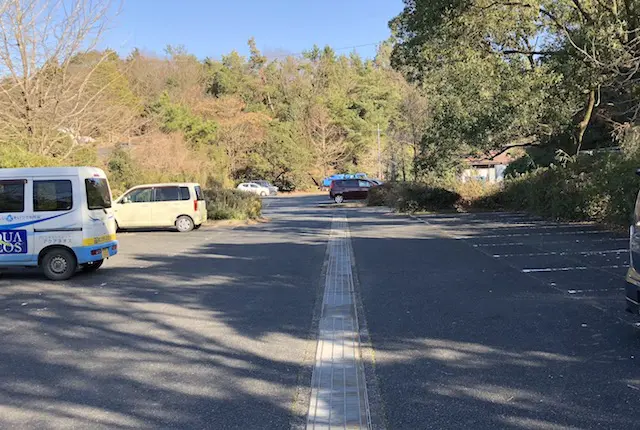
pixel 350 189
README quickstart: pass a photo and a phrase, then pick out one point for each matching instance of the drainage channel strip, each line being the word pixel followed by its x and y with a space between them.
pixel 338 389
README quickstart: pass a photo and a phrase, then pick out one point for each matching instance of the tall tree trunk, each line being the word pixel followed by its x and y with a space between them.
pixel 414 161
pixel 325 167
pixel 630 13
pixel 270 103
pixel 404 167
pixel 582 126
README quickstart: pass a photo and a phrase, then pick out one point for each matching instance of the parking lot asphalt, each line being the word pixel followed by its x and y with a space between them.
pixel 208 329
pixel 497 320
pixel 492 320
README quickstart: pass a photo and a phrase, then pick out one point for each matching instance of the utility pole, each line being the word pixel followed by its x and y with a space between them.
pixel 379 155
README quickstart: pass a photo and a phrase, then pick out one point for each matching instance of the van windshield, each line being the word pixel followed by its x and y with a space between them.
pixel 98 194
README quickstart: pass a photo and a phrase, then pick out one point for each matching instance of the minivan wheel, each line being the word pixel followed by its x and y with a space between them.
pixel 263 194
pixel 338 198
pixel 59 264
pixel 184 224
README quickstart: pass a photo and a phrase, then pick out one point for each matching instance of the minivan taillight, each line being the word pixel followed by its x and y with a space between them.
pixel 195 205
pixel 331 186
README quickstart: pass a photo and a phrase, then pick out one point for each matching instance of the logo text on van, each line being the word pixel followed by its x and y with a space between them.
pixel 13 242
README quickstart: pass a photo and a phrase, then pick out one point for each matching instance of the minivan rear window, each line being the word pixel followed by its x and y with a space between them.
pixel 199 194
pixel 12 196
pixel 98 193
pixel 167 194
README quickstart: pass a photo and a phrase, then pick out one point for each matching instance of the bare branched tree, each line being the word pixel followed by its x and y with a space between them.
pixel 410 125
pixel 56 91
pixel 327 139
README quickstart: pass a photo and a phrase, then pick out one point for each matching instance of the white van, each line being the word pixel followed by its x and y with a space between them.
pixel 179 205
pixel 58 218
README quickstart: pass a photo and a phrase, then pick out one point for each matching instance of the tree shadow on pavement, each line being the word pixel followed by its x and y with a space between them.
pixel 463 341
pixel 215 338
pixel 221 335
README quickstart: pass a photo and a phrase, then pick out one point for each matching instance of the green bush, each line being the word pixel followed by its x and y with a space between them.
pixel 592 188
pixel 600 188
pixel 413 197
pixel 14 156
pixel 232 204
pixel 384 195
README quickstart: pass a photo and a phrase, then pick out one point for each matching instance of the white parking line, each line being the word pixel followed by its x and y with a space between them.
pixel 567 269
pixel 559 233
pixel 534 226
pixel 503 215
pixel 554 242
pixel 604 290
pixel 560 253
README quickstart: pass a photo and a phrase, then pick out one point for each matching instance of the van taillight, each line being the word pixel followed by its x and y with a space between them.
pixel 195 205
pixel 331 186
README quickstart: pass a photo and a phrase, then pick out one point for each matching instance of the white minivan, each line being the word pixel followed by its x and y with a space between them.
pixel 57 218
pixel 179 205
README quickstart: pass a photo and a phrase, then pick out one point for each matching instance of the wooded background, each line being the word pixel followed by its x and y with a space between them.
pixel 542 79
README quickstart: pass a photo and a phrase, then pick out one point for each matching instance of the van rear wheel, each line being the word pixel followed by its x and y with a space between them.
pixel 91 266
pixel 59 264
pixel 338 198
pixel 184 224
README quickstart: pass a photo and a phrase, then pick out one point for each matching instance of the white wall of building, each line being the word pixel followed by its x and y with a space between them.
pixel 484 174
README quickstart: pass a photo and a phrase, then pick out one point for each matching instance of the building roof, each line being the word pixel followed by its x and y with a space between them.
pixel 494 158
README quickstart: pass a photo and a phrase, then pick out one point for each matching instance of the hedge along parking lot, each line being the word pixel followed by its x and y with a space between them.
pixel 582 260
pixel 232 204
pixel 600 188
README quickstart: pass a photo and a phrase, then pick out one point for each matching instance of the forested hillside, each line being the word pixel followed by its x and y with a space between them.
pixel 544 80
pixel 164 116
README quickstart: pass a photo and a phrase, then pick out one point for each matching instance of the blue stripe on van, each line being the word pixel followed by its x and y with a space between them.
pixel 24 224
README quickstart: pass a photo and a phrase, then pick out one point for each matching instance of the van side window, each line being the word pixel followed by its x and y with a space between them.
pixel 167 194
pixel 52 196
pixel 140 195
pixel 12 196
pixel 184 193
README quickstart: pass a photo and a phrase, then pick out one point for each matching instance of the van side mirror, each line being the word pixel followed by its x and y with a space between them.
pixel 125 200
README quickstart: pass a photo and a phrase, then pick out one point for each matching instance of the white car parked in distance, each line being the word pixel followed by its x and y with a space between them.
pixel 252 187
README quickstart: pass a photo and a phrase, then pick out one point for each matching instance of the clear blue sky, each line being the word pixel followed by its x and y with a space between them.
pixel 215 27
